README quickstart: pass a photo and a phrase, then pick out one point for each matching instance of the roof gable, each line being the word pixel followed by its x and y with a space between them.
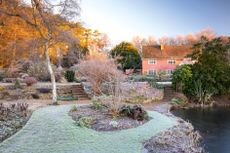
pixel 166 52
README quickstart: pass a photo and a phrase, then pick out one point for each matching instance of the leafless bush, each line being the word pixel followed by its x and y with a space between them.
pixel 9 112
pixel 101 73
pixel 105 78
pixel 30 81
pixel 39 70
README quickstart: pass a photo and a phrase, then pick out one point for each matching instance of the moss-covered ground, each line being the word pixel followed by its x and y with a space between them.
pixel 51 130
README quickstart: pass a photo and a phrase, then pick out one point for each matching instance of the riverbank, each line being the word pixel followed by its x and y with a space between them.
pixel 217 101
pixel 179 139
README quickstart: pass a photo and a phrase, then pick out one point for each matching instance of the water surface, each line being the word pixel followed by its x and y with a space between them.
pixel 213 124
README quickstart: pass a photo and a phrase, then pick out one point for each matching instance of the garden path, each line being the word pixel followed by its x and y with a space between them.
pixel 51 130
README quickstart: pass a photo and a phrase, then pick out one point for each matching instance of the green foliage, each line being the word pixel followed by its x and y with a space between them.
pixel 96 101
pixel 85 122
pixel 17 84
pixel 141 78
pixel 201 94
pixel 73 109
pixel 210 75
pixel 136 112
pixel 161 75
pixel 67 98
pixel 182 76
pixel 179 102
pixel 2 75
pixel 127 56
pixel 70 76
pixel 156 85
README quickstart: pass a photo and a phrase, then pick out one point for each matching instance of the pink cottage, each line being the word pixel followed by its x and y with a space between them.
pixel 160 58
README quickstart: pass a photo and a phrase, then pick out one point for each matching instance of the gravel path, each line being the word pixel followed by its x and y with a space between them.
pixel 51 130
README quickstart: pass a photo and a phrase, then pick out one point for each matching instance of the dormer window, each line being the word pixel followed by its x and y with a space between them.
pixel 171 62
pixel 152 61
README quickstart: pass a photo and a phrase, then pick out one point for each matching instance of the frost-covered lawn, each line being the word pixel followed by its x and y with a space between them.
pixel 51 130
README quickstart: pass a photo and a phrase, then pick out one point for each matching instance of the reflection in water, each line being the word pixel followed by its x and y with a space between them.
pixel 213 124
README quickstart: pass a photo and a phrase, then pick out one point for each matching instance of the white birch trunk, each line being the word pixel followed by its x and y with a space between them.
pixel 54 88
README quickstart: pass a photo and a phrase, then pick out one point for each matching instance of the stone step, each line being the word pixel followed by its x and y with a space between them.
pixel 76 90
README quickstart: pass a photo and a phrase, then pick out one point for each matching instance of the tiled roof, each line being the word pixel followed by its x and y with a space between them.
pixel 166 52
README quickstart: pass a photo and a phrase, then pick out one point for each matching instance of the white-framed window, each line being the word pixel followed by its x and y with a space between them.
pixel 152 72
pixel 170 72
pixel 152 61
pixel 171 61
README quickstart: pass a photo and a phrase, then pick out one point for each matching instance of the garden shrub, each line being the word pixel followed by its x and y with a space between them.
pixel 24 65
pixel 39 70
pixel 179 100
pixel 182 76
pixel 141 78
pixel 97 103
pixel 73 109
pixel 100 71
pixel 156 85
pixel 67 98
pixel 59 73
pixel 30 81
pixel 139 99
pixel 200 94
pixel 2 88
pixel 2 75
pixel 17 84
pixel 70 76
pixel 85 122
pixel 113 110
pixel 12 72
pixel 135 112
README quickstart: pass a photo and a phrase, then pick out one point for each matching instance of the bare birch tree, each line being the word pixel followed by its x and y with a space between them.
pixel 46 16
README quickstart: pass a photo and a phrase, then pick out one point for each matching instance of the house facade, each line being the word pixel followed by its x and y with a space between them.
pixel 164 58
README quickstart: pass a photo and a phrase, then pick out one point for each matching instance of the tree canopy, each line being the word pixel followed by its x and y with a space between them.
pixel 19 35
pixel 127 56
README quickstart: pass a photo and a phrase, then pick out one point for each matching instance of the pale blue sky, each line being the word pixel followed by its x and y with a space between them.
pixel 123 19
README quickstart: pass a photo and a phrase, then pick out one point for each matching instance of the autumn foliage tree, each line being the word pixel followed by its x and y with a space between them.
pixel 40 16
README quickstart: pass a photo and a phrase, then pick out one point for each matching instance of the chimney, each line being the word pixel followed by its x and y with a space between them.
pixel 162 47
